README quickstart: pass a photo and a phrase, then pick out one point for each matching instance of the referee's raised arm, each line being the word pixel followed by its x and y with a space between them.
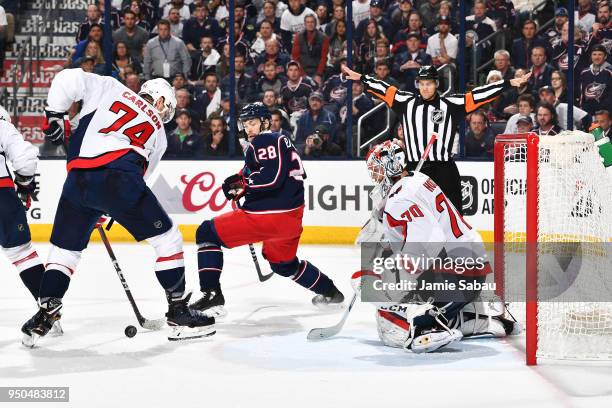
pixel 425 113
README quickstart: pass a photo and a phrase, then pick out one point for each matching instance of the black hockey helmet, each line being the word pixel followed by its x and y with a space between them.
pixel 427 72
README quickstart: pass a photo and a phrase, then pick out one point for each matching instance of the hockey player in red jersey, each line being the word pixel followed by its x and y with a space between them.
pixel 272 185
pixel 119 141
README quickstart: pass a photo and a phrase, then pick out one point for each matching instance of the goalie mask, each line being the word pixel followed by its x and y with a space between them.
pixel 160 88
pixel 386 162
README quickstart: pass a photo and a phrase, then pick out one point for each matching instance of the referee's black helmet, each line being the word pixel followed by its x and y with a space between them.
pixel 427 72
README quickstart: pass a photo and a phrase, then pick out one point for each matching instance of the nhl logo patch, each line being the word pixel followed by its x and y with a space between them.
pixel 158 224
pixel 20 227
pixel 437 116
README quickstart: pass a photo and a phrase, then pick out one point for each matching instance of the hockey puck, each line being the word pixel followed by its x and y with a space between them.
pixel 130 331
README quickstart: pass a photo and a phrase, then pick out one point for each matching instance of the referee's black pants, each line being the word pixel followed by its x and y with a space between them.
pixel 446 175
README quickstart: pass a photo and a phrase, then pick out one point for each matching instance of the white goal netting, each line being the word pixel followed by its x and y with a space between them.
pixel 573 217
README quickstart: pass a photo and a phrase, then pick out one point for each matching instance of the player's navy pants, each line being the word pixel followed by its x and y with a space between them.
pixel 14 230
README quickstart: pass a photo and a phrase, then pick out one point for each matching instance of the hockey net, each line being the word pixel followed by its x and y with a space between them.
pixel 553 203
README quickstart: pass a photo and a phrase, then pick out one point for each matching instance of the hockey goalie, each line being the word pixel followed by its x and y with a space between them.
pixel 434 253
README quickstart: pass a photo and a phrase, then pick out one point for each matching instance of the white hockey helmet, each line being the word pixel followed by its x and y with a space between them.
pixel 386 161
pixel 4 115
pixel 158 88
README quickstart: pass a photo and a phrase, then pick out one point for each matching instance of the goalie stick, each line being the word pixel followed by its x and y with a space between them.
pixel 145 323
pixel 322 333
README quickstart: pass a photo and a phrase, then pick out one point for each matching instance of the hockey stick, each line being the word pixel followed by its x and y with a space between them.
pixel 145 323
pixel 323 333
pixel 261 276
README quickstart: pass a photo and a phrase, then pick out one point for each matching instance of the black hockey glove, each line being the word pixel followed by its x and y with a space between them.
pixel 233 187
pixel 56 127
pixel 26 186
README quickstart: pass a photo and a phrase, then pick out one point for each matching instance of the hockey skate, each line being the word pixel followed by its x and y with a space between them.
pixel 187 323
pixel 42 322
pixel 428 340
pixel 211 304
pixel 333 298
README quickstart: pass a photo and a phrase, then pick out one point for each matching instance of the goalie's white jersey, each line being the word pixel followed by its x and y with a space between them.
pixel 420 220
pixel 22 155
pixel 113 120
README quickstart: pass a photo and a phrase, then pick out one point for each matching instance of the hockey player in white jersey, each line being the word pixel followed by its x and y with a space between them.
pixel 119 141
pixel 419 223
pixel 15 199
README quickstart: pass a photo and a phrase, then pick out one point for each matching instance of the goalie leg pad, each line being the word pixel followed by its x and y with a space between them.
pixel 210 256
pixel 170 264
pixel 485 318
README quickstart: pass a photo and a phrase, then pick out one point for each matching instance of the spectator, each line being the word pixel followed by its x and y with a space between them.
pixel 3 38
pixel 521 47
pixel 132 81
pixel 223 64
pixel 176 24
pixel 183 9
pixel 376 14
pixel 292 21
pixel 134 37
pixel 272 54
pixel 183 142
pixel 115 16
pixel 93 18
pixel 407 63
pixel 198 27
pixel 541 70
pixel 143 12
pixel 86 63
pixel 320 144
pixel 207 99
pixel 310 48
pixel 240 45
pixel 547 123
pixel 276 123
pixel 524 124
pixel 559 52
pixel 479 138
pixel 295 93
pixel 596 82
pixel 442 47
pixel 264 35
pixel 602 117
pixel 415 25
pixel 180 82
pixel 183 102
pixel 602 29
pixel 270 99
pixel 204 61
pixel 247 26
pixel 581 118
pixel 501 60
pixel 526 107
pixel 361 11
pixel 269 15
pixel 245 85
pixel 334 89
pixel 361 102
pixel 95 35
pixel 583 15
pixel 122 59
pixel 382 71
pixel 216 139
pixel 94 51
pixel 217 10
pixel 382 54
pixel 446 11
pixel 165 55
pixel 553 34
pixel 322 14
pixel 400 16
pixel 483 26
pixel 502 13
pixel 429 9
pixel 559 85
pixel 270 80
pixel 315 115
pixel 367 48
pixel 337 48
pixel 338 15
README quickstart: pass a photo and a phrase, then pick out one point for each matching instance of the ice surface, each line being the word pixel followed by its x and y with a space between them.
pixel 259 356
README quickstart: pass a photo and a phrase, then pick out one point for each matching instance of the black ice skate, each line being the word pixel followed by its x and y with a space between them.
pixel 334 297
pixel 212 303
pixel 42 322
pixel 187 323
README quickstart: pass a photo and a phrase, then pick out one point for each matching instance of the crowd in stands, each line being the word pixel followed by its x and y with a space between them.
pixel 289 55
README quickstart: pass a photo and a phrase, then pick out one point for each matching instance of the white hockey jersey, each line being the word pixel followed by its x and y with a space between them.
pixel 22 155
pixel 419 220
pixel 113 120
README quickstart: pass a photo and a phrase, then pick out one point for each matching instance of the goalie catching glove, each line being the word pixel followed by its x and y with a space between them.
pixel 234 187
pixel 56 127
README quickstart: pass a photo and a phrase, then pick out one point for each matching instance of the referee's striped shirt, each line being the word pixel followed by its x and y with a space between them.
pixel 440 115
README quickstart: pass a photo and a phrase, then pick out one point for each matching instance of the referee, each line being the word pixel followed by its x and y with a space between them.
pixel 428 113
